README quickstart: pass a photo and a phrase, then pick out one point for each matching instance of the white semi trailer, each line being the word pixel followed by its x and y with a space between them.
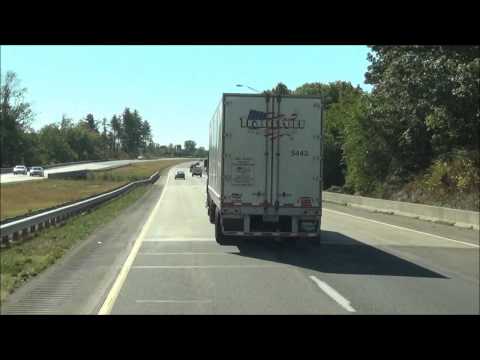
pixel 265 167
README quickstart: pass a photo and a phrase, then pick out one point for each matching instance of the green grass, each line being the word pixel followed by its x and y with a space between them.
pixel 24 197
pixel 132 172
pixel 24 260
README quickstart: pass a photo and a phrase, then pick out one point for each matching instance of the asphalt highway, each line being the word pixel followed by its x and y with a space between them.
pixel 366 265
pixel 160 257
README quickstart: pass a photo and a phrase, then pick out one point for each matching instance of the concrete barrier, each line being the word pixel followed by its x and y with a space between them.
pixel 460 218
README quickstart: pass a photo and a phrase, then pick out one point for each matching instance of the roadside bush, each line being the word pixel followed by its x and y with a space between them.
pixel 453 180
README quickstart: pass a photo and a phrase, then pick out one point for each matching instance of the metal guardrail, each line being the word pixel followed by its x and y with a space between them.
pixel 15 229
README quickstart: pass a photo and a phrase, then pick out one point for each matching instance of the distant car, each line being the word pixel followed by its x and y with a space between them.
pixel 140 157
pixel 180 175
pixel 193 165
pixel 197 171
pixel 20 169
pixel 37 170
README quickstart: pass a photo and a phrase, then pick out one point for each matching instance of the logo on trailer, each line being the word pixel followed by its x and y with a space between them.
pixel 271 123
pixel 267 120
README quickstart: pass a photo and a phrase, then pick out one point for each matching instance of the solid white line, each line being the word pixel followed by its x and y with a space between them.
pixel 333 294
pixel 122 276
pixel 204 266
pixel 404 228
pixel 177 239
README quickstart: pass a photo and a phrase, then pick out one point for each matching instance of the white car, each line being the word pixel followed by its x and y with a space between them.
pixel 37 170
pixel 20 169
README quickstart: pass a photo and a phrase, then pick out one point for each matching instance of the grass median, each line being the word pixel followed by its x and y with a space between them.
pixel 25 197
pixel 24 260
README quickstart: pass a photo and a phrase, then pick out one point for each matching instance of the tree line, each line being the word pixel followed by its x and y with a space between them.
pixel 417 131
pixel 123 136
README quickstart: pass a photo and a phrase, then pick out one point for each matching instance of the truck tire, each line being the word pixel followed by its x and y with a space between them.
pixel 211 214
pixel 219 236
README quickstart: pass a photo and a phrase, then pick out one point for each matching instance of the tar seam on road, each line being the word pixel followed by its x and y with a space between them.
pixel 333 294
pixel 122 276
pixel 404 228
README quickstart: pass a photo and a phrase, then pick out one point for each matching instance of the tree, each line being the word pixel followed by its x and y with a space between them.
pixel 337 98
pixel 91 123
pixel 281 89
pixel 425 101
pixel 189 147
pixel 331 93
pixel 128 131
pixel 145 134
pixel 55 146
pixel 115 125
pixel 105 138
pixel 16 116
pixel 201 152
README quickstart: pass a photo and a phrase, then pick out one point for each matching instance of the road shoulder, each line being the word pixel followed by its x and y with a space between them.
pixel 79 282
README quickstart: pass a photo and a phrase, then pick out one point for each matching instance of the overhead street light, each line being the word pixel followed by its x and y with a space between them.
pixel 240 85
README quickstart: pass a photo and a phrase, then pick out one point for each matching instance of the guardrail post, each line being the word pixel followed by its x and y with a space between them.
pixel 5 240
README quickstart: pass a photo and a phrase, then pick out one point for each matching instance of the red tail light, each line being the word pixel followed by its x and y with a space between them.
pixel 306 202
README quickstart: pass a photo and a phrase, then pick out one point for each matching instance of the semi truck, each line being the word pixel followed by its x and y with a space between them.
pixel 265 167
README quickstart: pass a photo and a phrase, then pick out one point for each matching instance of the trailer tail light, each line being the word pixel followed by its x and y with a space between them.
pixel 306 202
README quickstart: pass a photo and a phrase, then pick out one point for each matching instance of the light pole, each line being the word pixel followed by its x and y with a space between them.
pixel 240 85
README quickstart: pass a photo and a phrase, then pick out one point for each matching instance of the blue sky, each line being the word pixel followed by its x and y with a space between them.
pixel 175 88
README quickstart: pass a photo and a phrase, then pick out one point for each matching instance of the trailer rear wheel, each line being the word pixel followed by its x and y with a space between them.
pixel 211 214
pixel 220 237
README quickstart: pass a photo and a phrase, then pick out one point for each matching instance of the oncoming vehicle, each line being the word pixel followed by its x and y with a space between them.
pixel 37 170
pixel 197 171
pixel 180 175
pixel 20 169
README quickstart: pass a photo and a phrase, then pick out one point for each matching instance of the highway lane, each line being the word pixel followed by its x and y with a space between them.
pixel 363 266
pixel 9 177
